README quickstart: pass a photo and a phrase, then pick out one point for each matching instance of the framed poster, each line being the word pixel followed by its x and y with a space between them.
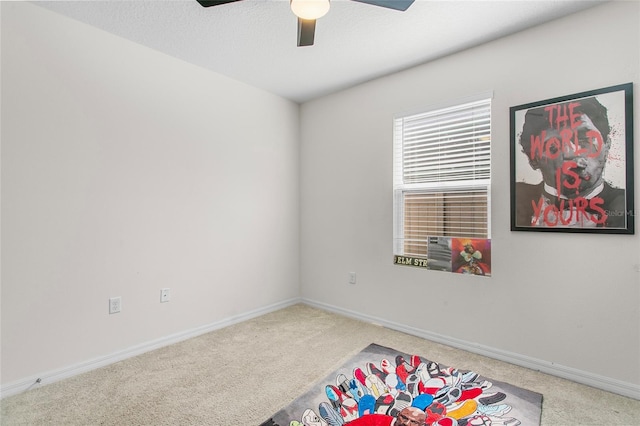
pixel 572 163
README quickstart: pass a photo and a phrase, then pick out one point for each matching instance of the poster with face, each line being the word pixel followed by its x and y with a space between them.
pixel 572 163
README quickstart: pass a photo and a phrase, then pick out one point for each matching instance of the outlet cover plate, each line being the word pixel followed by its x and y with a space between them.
pixel 115 305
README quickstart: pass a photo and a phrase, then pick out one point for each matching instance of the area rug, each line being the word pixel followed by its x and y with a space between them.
pixel 381 386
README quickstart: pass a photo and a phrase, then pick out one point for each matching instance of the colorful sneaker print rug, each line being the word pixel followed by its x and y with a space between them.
pixel 381 386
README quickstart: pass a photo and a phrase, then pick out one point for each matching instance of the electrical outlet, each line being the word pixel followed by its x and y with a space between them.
pixel 352 277
pixel 165 295
pixel 115 305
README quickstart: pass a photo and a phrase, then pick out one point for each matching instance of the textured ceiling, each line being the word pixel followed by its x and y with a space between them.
pixel 254 41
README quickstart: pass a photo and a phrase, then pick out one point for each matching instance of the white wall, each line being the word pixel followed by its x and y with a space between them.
pixel 562 299
pixel 125 171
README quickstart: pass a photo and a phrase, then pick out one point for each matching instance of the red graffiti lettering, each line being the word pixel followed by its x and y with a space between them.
pixel 547 210
pixel 575 118
pixel 569 211
pixel 563 220
pixel 537 145
pixel 573 179
pixel 594 135
pixel 537 209
pixel 581 205
pixel 563 115
pixel 596 204
pixel 567 140
pixel 552 148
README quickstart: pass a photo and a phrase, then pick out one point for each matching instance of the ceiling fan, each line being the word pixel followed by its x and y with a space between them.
pixel 308 11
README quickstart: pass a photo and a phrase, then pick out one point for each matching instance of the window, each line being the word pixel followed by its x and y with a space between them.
pixel 442 176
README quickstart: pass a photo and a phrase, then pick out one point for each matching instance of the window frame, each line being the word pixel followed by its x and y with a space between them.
pixel 448 186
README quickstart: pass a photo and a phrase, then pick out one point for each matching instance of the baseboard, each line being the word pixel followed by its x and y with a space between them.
pixel 600 382
pixel 85 366
pixel 608 384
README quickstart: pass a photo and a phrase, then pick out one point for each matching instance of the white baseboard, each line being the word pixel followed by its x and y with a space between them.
pixel 85 366
pixel 630 390
pixel 608 384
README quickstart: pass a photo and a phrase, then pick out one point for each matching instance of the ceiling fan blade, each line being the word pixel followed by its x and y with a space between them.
pixel 389 4
pixel 306 31
pixel 206 3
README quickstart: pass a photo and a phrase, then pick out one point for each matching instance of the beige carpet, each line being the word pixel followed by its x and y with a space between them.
pixel 244 373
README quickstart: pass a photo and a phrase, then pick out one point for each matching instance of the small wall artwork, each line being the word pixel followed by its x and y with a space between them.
pixel 470 256
pixel 439 249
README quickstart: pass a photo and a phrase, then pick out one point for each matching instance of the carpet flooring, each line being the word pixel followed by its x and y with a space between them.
pixel 233 376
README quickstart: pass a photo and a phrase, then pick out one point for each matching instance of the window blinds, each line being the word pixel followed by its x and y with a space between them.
pixel 442 172
pixel 448 145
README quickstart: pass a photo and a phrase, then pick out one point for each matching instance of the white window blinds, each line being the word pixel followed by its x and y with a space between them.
pixel 442 172
pixel 452 144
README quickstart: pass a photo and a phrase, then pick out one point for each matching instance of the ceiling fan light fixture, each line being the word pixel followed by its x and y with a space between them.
pixel 310 9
